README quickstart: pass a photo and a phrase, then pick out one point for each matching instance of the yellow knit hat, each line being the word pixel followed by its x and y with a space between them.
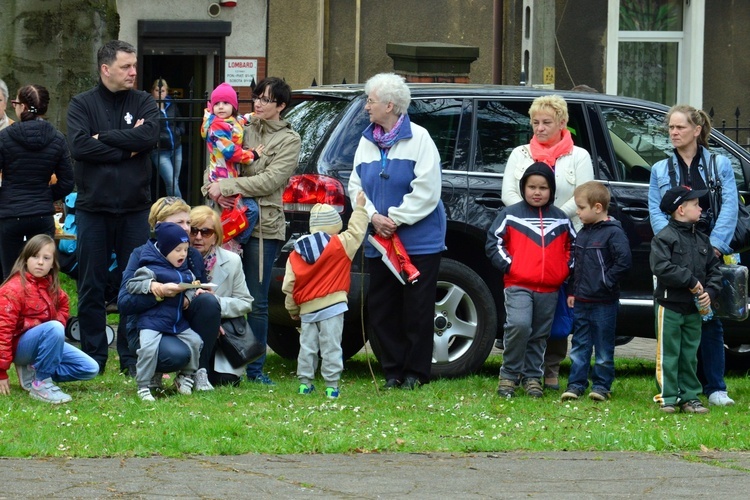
pixel 324 217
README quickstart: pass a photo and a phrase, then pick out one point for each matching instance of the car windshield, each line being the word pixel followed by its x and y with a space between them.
pixel 312 119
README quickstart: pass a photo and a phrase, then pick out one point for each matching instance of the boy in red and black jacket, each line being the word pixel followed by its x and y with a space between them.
pixel 530 243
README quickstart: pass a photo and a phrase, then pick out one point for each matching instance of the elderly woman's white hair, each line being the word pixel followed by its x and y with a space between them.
pixel 390 87
pixel 4 89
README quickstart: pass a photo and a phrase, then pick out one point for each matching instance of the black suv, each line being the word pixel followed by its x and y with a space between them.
pixel 475 128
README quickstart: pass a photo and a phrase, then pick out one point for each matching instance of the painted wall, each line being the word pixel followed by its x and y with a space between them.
pixel 248 18
pixel 726 67
pixel 581 34
pixel 294 47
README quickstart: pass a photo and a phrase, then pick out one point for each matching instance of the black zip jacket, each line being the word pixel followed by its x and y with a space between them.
pixel 602 259
pixel 108 177
pixel 682 256
pixel 30 152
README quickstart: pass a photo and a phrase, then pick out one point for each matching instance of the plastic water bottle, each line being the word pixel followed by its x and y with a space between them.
pixel 707 313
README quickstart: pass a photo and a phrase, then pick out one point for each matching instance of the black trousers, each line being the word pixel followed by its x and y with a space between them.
pixel 401 316
pixel 15 231
pixel 100 234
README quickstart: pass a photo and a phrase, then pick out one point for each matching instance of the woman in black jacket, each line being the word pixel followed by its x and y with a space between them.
pixel 36 171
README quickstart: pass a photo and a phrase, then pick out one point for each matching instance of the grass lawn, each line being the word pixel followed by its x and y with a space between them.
pixel 107 419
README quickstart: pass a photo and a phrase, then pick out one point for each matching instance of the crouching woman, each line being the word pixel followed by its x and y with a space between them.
pixel 33 313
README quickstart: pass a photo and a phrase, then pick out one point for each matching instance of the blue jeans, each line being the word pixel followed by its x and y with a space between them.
pixel 258 318
pixel 45 348
pixel 169 164
pixel 711 360
pixel 99 234
pixel 593 328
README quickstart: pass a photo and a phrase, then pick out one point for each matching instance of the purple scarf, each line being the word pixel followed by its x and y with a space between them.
pixel 210 261
pixel 386 140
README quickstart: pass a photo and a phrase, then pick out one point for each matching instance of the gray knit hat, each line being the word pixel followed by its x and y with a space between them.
pixel 325 218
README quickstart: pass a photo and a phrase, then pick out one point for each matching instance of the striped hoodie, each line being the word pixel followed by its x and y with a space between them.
pixel 531 245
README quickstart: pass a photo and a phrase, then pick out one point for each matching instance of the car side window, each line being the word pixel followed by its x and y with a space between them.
pixel 504 125
pixel 448 122
pixel 501 126
pixel 640 138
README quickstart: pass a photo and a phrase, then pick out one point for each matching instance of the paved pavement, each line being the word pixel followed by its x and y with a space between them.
pixel 560 475
pixel 415 476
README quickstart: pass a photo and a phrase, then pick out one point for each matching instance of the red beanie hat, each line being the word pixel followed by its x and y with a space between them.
pixel 225 93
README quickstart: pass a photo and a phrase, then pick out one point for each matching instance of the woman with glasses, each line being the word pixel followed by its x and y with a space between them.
pixel 31 152
pixel 397 165
pixel 203 312
pixel 264 180
pixel 224 269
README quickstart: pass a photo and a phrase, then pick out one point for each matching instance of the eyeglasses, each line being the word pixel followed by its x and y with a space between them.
pixel 206 232
pixel 16 103
pixel 370 101
pixel 263 99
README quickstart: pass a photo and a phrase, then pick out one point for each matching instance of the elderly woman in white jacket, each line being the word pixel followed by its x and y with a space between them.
pixel 552 144
pixel 224 269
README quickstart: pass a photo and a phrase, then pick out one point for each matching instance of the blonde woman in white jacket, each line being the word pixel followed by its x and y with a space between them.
pixel 224 269
pixel 552 144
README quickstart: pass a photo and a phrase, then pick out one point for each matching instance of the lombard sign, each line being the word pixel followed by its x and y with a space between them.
pixel 241 72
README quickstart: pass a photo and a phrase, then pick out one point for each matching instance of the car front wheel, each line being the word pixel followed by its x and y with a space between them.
pixel 465 322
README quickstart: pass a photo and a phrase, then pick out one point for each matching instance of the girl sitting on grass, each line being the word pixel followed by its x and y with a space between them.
pixel 33 313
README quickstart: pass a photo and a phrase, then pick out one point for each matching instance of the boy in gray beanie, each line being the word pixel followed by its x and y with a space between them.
pixel 316 285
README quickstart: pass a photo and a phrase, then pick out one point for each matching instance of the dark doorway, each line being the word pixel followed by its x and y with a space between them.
pixel 186 77
pixel 183 53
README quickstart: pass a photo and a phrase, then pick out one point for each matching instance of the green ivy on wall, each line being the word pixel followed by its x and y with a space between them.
pixel 54 43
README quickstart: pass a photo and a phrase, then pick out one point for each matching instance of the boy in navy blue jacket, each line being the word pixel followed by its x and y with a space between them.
pixel 164 261
pixel 602 258
pixel 529 242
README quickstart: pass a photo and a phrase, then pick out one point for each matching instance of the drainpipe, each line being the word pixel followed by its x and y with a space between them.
pixel 357 37
pixel 497 42
pixel 321 38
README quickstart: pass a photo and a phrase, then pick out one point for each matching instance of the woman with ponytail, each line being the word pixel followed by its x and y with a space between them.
pixel 689 129
pixel 31 151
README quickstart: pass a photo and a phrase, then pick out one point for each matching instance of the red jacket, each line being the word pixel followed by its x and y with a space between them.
pixel 531 246
pixel 22 307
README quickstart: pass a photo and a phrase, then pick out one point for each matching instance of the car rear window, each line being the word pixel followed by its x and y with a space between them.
pixel 311 119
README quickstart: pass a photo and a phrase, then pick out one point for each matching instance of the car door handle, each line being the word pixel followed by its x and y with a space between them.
pixel 639 213
pixel 490 201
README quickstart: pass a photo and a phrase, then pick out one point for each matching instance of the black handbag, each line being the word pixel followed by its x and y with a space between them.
pixel 238 343
pixel 741 239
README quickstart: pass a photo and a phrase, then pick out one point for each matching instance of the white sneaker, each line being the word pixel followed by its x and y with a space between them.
pixel 145 394
pixel 720 398
pixel 48 392
pixel 184 384
pixel 201 381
